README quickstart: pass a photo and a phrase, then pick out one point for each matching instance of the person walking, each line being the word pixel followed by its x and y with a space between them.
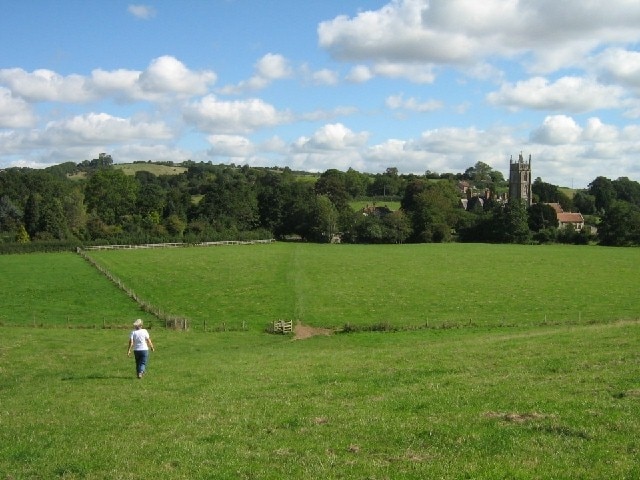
pixel 140 342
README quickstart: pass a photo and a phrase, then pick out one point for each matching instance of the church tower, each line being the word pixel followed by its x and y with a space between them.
pixel 520 180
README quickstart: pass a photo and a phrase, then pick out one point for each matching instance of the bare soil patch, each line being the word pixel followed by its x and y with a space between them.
pixel 300 331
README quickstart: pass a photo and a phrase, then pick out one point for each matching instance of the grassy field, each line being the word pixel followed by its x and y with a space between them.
pixel 544 402
pixel 360 204
pixel 332 286
pixel 538 379
pixel 401 286
pixel 60 289
pixel 132 168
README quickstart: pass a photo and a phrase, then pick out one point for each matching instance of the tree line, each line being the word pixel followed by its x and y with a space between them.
pixel 94 202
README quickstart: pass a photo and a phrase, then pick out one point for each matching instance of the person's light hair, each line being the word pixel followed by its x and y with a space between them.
pixel 137 323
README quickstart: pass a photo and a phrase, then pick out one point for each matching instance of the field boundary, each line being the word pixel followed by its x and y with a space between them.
pixel 175 245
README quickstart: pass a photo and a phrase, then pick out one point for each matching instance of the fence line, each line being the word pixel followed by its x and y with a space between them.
pixel 175 245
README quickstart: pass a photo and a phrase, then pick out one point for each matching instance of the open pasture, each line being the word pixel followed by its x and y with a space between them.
pixel 401 286
pixel 510 394
pixel 487 403
pixel 59 289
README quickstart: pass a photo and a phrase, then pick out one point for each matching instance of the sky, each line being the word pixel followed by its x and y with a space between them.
pixel 417 85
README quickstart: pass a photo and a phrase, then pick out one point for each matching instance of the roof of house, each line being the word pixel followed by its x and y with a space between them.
pixel 567 217
pixel 556 206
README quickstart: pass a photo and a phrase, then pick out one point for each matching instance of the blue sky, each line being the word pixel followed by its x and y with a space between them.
pixel 414 84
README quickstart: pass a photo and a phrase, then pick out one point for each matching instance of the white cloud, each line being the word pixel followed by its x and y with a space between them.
pixel 557 130
pixel 331 137
pixel 405 71
pixel 331 146
pixel 143 12
pixel 76 138
pixel 566 152
pixel 164 76
pixel 463 32
pixel 101 127
pixel 318 115
pixel 121 84
pixel 393 33
pixel 46 86
pixel 273 67
pixel 360 74
pixel 324 77
pixel 444 150
pixel 396 102
pixel 620 66
pixel 274 145
pixel 88 129
pixel 232 117
pixel 596 131
pixel 269 68
pixel 14 112
pixel 573 94
pixel 410 72
pixel 230 146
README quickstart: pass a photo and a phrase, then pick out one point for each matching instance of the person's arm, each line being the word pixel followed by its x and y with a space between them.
pixel 130 345
pixel 150 343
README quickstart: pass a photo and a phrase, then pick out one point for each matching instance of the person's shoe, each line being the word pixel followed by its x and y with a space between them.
pixel 140 375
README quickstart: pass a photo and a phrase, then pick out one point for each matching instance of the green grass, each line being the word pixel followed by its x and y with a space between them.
pixel 404 286
pixel 543 402
pixel 156 169
pixel 541 383
pixel 60 289
pixel 360 204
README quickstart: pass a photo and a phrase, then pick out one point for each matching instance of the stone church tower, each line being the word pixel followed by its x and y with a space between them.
pixel 520 180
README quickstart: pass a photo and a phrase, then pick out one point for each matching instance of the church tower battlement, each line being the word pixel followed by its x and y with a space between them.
pixel 520 180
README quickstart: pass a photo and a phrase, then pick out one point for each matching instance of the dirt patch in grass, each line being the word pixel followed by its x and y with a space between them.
pixel 300 331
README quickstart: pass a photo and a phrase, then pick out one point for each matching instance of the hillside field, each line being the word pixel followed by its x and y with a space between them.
pixel 504 362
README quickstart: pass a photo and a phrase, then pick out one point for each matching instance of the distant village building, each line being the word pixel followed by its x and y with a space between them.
pixel 520 180
pixel 519 189
pixel 473 201
pixel 568 218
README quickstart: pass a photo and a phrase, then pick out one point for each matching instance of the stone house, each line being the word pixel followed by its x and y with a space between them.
pixel 568 218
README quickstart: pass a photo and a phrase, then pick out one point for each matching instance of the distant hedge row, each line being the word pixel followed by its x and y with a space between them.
pixel 71 245
pixel 39 247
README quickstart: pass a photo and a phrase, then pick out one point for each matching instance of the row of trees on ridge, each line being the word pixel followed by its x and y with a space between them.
pixel 96 202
